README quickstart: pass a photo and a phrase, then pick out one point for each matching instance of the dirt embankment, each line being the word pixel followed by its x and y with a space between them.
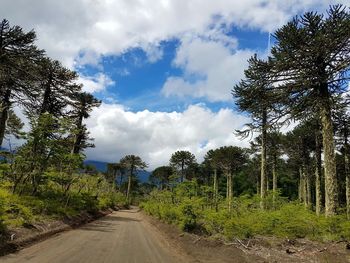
pixel 260 249
pixel 17 238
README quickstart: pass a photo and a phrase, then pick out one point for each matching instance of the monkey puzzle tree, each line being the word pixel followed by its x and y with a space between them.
pixel 58 87
pixel 213 163
pixel 182 160
pixel 311 60
pixel 14 125
pixel 255 95
pixel 342 124
pixel 113 171
pixel 82 104
pixel 274 142
pixel 230 159
pixel 299 144
pixel 161 176
pixel 131 163
pixel 18 56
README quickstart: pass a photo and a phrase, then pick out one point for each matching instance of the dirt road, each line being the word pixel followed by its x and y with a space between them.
pixel 122 236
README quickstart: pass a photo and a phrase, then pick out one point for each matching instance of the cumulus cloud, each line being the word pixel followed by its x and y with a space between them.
pixel 156 135
pixel 154 52
pixel 83 32
pixel 96 83
pixel 211 68
pixel 66 28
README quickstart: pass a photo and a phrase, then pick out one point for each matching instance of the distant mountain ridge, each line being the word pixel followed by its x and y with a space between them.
pixel 143 176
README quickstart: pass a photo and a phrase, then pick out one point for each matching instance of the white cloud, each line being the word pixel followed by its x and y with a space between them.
pixel 154 136
pixel 103 27
pixel 96 83
pixel 211 68
pixel 80 32
pixel 154 52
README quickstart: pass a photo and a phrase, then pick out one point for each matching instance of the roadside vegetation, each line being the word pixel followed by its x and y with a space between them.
pixel 45 177
pixel 191 207
pixel 288 184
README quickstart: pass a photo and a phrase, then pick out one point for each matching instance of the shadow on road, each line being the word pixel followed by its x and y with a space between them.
pixel 133 211
pixel 117 218
pixel 107 224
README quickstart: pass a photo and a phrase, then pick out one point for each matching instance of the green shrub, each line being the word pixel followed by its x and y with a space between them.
pixel 246 220
pixel 188 218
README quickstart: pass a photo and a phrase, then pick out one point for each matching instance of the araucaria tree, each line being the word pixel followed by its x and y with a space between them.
pixel 255 95
pixel 82 104
pixel 131 163
pixel 181 160
pixel 311 60
pixel 213 162
pixel 161 176
pixel 18 56
pixel 230 159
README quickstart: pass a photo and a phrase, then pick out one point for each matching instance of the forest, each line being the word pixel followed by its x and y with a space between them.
pixel 287 184
pixel 293 183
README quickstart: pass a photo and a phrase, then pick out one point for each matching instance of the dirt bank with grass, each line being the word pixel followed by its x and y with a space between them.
pixel 258 249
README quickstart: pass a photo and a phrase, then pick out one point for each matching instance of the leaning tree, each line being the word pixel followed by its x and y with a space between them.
pixel 18 58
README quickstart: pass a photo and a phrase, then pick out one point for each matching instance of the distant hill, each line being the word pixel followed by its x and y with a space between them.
pixel 102 167
pixel 143 176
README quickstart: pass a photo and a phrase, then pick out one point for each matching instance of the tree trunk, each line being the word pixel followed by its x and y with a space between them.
pixel 267 183
pixel 182 171
pixel 304 186
pixel 215 188
pixel 263 159
pixel 308 189
pixel 4 109
pixel 129 186
pixel 128 191
pixel 45 105
pixel 274 180
pixel 318 173
pixel 227 186
pixel 347 170
pixel 301 188
pixel 230 194
pixel 331 189
pixel 78 137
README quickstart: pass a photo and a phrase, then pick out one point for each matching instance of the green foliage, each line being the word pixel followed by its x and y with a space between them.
pixel 182 161
pixel 188 218
pixel 87 193
pixel 44 177
pixel 283 219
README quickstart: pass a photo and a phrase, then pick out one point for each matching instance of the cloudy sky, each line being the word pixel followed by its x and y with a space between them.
pixel 164 69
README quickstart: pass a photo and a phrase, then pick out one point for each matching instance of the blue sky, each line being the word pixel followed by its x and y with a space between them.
pixel 138 82
pixel 164 69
